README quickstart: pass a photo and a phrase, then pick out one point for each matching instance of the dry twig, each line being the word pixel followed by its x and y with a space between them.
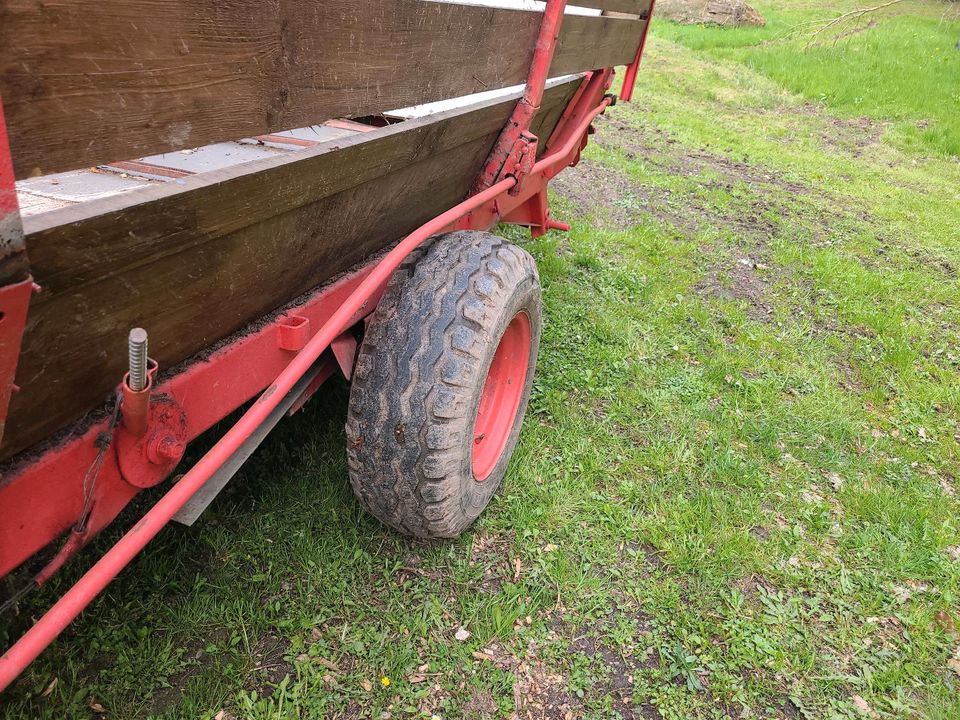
pixel 818 28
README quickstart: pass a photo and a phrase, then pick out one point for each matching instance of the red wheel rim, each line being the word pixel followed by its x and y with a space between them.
pixel 500 401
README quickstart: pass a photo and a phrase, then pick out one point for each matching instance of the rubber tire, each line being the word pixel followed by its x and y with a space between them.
pixel 419 377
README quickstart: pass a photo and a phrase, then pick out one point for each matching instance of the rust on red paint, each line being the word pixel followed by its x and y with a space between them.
pixel 139 166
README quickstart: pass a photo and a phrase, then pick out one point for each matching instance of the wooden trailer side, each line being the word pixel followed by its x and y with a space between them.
pixel 86 83
pixel 194 263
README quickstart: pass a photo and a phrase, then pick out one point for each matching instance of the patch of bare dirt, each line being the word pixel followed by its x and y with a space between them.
pixel 650 555
pixel 167 698
pixel 588 185
pixel 932 260
pixel 481 706
pixel 543 691
pixel 657 148
pixel 413 568
pixel 754 206
pixel 620 670
pixel 620 665
pixel 494 554
pixel 623 201
pixel 790 710
pixel 539 691
pixel 763 204
pixel 731 13
pixel 617 202
pixel 271 667
pixel 852 135
pixel 751 586
pixel 739 281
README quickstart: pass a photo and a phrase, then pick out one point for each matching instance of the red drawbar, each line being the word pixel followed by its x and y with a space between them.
pixel 500 400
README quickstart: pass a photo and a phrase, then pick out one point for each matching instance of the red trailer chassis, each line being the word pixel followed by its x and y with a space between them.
pixel 79 485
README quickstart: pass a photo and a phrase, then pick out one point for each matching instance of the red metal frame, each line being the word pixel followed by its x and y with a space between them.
pixel 630 76
pixel 156 424
pixel 207 391
pixel 14 300
pixel 515 148
pixel 15 296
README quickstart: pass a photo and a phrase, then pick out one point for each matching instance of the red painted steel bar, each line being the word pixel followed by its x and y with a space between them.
pixel 630 76
pixel 96 579
pixel 16 286
pixel 529 103
pixel 8 191
pixel 72 603
pixel 47 495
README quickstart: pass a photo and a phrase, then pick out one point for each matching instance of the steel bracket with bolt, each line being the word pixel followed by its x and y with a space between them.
pixel 146 459
pixel 153 432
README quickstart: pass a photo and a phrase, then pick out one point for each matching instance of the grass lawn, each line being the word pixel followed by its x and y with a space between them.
pixel 900 64
pixel 736 490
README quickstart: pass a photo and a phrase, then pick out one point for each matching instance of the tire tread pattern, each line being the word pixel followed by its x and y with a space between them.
pixel 418 376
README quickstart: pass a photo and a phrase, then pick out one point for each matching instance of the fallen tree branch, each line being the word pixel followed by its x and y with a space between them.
pixel 822 26
pixel 857 28
pixel 851 15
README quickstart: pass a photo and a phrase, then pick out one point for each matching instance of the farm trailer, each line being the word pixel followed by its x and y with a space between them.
pixel 355 243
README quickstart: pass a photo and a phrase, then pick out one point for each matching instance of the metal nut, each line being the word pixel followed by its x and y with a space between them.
pixel 164 448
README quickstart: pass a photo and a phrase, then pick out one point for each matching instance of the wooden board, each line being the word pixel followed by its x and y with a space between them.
pixel 628 7
pixel 196 262
pixel 85 82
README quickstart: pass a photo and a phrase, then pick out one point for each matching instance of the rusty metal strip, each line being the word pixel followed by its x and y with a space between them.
pixel 139 166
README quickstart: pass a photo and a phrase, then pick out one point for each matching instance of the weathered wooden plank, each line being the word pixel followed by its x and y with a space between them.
pixel 195 263
pixel 629 7
pixel 85 83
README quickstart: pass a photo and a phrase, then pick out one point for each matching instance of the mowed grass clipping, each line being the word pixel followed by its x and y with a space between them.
pixel 735 494
pixel 900 64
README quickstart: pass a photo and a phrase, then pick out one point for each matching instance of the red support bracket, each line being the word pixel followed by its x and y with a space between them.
pixel 630 76
pixel 520 160
pixel 534 213
pixel 13 257
pixel 16 285
pixel 14 299
pixel 515 150
pixel 344 348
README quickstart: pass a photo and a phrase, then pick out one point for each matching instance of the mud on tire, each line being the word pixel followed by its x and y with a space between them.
pixel 420 377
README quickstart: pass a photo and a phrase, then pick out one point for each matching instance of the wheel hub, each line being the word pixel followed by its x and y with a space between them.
pixel 500 400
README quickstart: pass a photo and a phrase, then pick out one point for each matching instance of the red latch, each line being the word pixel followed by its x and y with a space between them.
pixel 293 332
pixel 520 160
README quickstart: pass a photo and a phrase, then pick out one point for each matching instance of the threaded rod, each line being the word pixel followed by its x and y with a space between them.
pixel 137 353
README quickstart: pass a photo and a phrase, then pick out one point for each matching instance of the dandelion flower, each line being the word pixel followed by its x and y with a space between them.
pixel 385 681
